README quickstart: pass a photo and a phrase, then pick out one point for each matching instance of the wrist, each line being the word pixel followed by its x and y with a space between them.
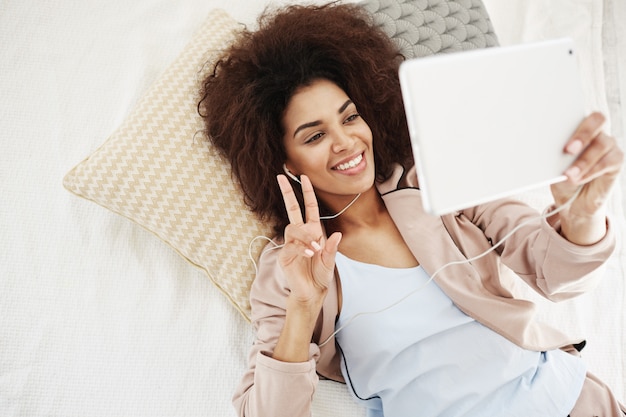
pixel 583 230
pixel 310 305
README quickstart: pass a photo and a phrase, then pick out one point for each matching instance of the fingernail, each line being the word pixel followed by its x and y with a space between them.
pixel 309 253
pixel 575 147
pixel 316 245
pixel 573 172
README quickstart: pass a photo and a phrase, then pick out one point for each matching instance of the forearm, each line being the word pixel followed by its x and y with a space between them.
pixel 285 382
pixel 282 378
pixel 556 264
pixel 295 337
pixel 570 265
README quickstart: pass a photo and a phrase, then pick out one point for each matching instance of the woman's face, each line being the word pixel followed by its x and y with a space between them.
pixel 327 140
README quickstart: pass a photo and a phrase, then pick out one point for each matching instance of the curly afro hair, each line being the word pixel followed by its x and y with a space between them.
pixel 243 100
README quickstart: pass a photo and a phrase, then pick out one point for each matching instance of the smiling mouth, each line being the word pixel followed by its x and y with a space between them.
pixel 350 164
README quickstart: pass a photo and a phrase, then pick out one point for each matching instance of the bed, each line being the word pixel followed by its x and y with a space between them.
pixel 102 317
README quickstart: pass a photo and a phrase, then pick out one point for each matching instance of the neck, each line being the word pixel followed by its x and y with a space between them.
pixel 365 212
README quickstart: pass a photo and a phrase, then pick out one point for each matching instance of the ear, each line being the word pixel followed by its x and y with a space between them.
pixel 289 173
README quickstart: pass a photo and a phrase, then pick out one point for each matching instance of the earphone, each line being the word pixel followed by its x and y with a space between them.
pixel 296 179
pixel 543 215
pixel 290 174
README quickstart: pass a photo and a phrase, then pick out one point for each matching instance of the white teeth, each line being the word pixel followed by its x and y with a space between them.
pixel 351 164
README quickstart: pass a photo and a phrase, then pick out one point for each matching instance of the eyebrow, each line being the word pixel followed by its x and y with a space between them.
pixel 343 107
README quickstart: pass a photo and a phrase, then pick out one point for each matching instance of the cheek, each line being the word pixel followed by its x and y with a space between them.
pixel 304 161
pixel 292 156
pixel 369 143
pixel 366 132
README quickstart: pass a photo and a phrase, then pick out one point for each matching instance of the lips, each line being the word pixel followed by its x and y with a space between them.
pixel 349 164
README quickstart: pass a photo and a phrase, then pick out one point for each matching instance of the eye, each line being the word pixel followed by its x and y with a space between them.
pixel 314 138
pixel 352 117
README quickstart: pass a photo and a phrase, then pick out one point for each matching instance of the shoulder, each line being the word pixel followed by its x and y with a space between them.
pixel 400 178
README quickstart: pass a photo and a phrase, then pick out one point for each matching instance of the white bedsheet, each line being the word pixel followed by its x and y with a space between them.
pixel 98 317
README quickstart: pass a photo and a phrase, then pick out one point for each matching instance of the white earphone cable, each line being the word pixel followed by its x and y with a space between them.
pixel 468 260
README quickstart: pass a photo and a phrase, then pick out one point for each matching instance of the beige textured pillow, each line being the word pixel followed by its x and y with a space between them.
pixel 157 171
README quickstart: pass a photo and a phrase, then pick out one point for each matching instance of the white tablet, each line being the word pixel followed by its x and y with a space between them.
pixel 489 123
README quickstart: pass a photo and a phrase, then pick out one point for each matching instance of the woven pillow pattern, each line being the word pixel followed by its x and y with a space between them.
pixel 426 27
pixel 159 172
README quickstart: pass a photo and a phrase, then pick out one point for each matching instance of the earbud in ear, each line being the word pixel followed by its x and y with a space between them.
pixel 290 175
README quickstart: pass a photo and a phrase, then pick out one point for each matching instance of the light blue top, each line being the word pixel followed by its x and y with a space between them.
pixel 424 357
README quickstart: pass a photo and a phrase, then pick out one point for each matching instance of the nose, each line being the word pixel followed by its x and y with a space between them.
pixel 342 140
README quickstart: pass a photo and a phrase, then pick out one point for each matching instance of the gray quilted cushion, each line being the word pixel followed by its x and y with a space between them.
pixel 427 27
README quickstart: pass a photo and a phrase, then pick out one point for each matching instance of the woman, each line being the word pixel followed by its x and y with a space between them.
pixel 314 94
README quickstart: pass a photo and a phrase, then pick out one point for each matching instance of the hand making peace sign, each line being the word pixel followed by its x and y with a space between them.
pixel 307 258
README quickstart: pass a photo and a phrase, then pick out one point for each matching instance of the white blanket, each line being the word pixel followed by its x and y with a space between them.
pixel 97 316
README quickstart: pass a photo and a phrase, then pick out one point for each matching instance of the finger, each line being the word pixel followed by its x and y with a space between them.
pixel 291 202
pixel 586 131
pixel 331 246
pixel 311 208
pixel 601 156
